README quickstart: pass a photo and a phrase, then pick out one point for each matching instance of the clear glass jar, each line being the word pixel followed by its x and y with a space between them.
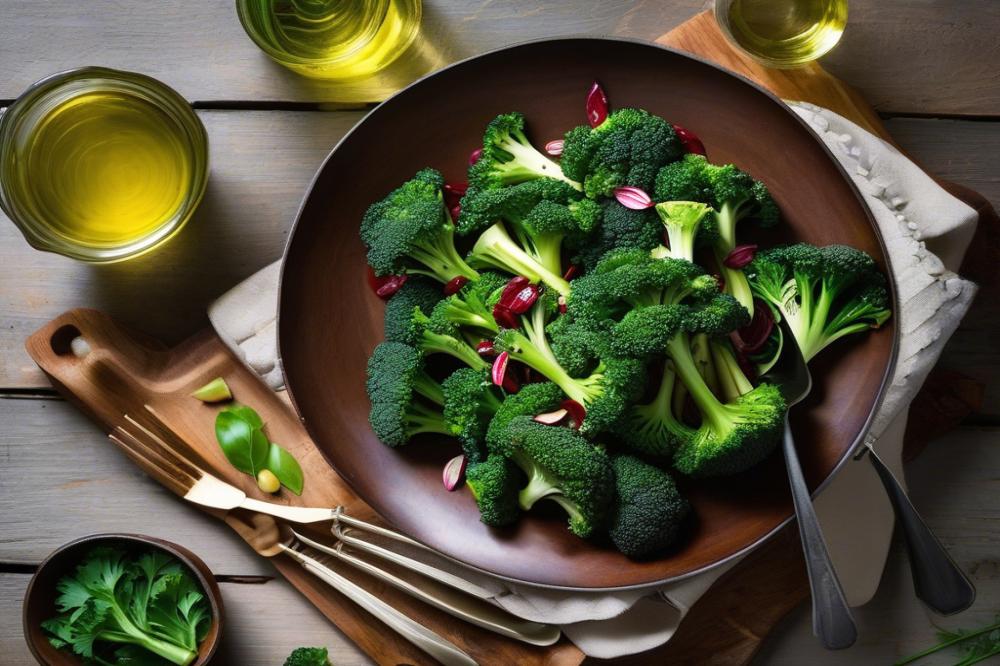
pixel 332 39
pixel 101 165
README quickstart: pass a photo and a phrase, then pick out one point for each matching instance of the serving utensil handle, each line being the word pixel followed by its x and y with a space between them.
pixel 937 580
pixel 425 639
pixel 832 620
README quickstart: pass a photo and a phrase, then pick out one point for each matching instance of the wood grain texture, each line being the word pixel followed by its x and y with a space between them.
pixel 954 484
pixel 898 53
pixel 123 373
pixel 249 210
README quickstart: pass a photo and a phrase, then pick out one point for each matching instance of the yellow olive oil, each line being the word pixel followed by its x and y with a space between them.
pixel 106 168
pixel 333 39
pixel 784 33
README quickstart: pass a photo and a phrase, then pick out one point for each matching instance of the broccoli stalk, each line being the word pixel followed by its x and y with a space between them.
pixel 471 308
pixel 496 249
pixel 652 428
pixel 732 382
pixel 683 220
pixel 410 231
pixel 509 158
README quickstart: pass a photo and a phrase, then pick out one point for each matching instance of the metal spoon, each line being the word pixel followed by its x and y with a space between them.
pixel 832 620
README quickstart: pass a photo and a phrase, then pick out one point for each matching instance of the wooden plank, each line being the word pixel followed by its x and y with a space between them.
pixel 257 630
pixel 262 163
pixel 933 57
pixel 953 485
pixel 63 479
pixel 248 211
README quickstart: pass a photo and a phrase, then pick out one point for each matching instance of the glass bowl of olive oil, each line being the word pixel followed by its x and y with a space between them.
pixel 101 165
pixel 332 39
pixel 783 33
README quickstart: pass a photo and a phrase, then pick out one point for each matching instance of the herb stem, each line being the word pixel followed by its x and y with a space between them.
pixel 948 643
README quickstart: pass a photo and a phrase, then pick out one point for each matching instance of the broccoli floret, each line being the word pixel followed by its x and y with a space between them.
pixel 495 483
pixel 684 180
pixel 496 249
pixel 470 308
pixel 823 293
pixel 405 400
pixel 410 231
pixel 629 279
pixel 417 292
pixel 734 435
pixel 621 228
pixel 430 336
pixel 541 213
pixel 531 400
pixel 509 158
pixel 308 656
pixel 649 511
pixel 575 346
pixel 563 466
pixel 628 148
pixel 470 402
pixel 605 393
pixel 683 221
pixel 734 195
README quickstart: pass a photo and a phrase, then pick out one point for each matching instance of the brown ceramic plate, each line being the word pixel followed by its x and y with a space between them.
pixel 39 600
pixel 329 320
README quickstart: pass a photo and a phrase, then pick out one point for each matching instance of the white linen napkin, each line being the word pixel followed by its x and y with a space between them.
pixel 926 231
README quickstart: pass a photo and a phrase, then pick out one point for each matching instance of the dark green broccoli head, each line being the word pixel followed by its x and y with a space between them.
pixel 577 348
pixel 645 332
pixel 509 158
pixel 482 207
pixel 823 294
pixel 495 483
pixel 440 335
pixel 418 292
pixel 410 231
pixel 563 466
pixel 470 402
pixel 684 180
pixel 621 228
pixel 735 436
pixel 531 400
pixel 308 656
pixel 628 148
pixel 649 511
pixel 629 279
pixel 405 400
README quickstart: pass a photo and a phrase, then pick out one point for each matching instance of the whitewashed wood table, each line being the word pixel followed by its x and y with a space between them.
pixel 929 67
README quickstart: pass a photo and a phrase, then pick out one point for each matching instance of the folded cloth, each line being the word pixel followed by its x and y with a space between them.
pixel 926 232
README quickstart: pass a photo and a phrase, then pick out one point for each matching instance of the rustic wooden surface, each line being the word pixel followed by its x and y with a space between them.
pixel 916 62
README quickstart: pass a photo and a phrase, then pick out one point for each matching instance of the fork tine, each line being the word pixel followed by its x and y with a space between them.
pixel 180 446
pixel 151 454
pixel 174 484
pixel 166 451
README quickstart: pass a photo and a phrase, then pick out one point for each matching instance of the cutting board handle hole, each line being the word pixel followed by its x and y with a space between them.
pixel 62 340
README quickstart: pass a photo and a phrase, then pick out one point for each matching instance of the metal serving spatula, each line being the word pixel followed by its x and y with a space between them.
pixel 833 623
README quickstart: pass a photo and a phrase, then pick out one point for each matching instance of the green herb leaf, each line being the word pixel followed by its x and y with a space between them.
pixel 284 466
pixel 247 414
pixel 236 437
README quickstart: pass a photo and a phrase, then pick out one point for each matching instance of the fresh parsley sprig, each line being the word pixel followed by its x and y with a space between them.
pixel 986 644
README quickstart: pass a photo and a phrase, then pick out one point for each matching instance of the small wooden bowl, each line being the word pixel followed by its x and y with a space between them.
pixel 39 600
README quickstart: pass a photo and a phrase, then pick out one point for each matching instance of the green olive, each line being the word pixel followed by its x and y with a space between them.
pixel 267 481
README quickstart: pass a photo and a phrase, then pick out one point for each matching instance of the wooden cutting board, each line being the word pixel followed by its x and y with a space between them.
pixel 126 369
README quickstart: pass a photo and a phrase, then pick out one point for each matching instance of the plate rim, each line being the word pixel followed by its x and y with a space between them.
pixel 851 452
